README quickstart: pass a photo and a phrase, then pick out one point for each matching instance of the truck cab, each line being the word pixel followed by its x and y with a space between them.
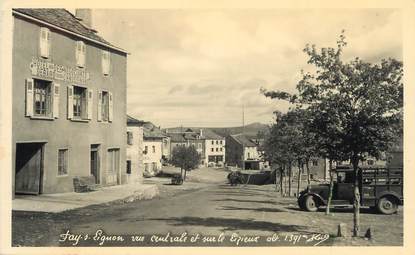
pixel 380 188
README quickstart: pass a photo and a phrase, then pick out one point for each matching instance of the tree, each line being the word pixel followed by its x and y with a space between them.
pixel 357 106
pixel 185 157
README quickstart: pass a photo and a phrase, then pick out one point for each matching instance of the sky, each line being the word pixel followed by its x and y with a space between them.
pixel 200 67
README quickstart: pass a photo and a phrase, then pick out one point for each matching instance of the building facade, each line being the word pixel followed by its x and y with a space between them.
pixel 215 148
pixel 69 102
pixel 242 152
pixel 135 147
pixel 153 149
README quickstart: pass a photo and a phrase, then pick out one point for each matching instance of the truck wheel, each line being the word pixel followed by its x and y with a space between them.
pixel 310 204
pixel 300 202
pixel 387 205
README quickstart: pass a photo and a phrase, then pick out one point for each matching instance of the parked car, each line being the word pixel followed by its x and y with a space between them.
pixel 380 188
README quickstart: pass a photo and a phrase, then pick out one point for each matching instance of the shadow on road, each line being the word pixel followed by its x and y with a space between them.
pixel 231 224
pixel 244 201
pixel 262 209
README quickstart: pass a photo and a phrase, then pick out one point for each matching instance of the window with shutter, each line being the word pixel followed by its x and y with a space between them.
pixel 56 92
pixel 105 62
pixel 29 97
pixel 44 42
pixel 70 102
pixel 90 101
pixel 42 98
pixel 110 107
pixel 80 95
pixel 80 53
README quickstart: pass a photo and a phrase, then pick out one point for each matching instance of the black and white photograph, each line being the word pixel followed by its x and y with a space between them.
pixel 205 127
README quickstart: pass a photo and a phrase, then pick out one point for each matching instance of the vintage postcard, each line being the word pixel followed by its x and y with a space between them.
pixel 201 125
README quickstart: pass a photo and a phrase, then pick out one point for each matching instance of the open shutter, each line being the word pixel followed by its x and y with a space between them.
pixel 110 106
pixel 90 103
pixel 99 116
pixel 44 39
pixel 83 54
pixel 80 53
pixel 70 102
pixel 29 97
pixel 105 62
pixel 56 92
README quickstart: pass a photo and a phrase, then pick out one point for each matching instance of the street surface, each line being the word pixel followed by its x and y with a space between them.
pixel 204 204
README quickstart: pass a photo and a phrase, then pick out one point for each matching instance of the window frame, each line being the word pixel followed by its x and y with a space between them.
pixel 67 162
pixel 48 112
pixel 84 115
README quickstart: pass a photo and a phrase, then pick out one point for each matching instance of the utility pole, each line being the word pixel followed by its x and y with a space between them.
pixel 243 118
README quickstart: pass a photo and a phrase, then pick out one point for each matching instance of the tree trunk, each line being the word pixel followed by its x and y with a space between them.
pixel 289 179
pixel 331 188
pixel 181 172
pixel 356 202
pixel 276 179
pixel 299 178
pixel 184 178
pixel 281 182
pixel 308 172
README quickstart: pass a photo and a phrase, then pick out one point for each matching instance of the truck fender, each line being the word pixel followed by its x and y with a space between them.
pixel 389 193
pixel 317 196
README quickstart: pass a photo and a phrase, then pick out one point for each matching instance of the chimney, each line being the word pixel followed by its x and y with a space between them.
pixel 85 16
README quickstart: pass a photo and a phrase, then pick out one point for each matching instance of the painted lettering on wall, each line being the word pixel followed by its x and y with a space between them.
pixel 45 69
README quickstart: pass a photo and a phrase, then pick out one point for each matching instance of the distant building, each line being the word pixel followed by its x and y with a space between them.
pixel 187 138
pixel 215 147
pixel 135 144
pixel 69 102
pixel 153 147
pixel 166 149
pixel 242 152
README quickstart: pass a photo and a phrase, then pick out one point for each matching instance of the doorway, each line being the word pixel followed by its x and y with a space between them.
pixel 94 165
pixel 29 168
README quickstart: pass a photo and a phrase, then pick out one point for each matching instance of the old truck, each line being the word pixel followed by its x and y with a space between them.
pixel 380 187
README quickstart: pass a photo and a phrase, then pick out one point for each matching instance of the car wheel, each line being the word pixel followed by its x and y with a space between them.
pixel 387 205
pixel 310 204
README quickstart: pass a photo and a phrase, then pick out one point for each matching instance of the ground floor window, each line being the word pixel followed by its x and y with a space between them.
pixel 128 166
pixel 154 165
pixel 62 162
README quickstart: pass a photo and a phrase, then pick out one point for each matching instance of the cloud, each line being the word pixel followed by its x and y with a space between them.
pixel 195 65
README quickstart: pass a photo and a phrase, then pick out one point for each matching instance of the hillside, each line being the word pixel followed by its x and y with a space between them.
pixel 250 130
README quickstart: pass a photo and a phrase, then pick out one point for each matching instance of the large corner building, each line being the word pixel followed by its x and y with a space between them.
pixel 69 102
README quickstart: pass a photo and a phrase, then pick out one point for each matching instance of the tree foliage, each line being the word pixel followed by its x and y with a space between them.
pixel 355 107
pixel 185 157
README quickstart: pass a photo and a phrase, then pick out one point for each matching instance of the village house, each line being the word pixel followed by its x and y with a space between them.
pixel 153 149
pixel 242 152
pixel 214 147
pixel 135 147
pixel 69 102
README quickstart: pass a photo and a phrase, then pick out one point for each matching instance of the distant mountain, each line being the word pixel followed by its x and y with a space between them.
pixel 250 130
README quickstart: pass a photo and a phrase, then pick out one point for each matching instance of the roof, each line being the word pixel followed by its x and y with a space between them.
pixel 176 137
pixel 210 135
pixel 152 133
pixel 131 121
pixel 243 140
pixel 65 20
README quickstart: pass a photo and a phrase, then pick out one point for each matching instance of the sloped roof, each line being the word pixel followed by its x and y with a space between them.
pixel 66 20
pixel 131 121
pixel 176 137
pixel 242 139
pixel 211 135
pixel 152 133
